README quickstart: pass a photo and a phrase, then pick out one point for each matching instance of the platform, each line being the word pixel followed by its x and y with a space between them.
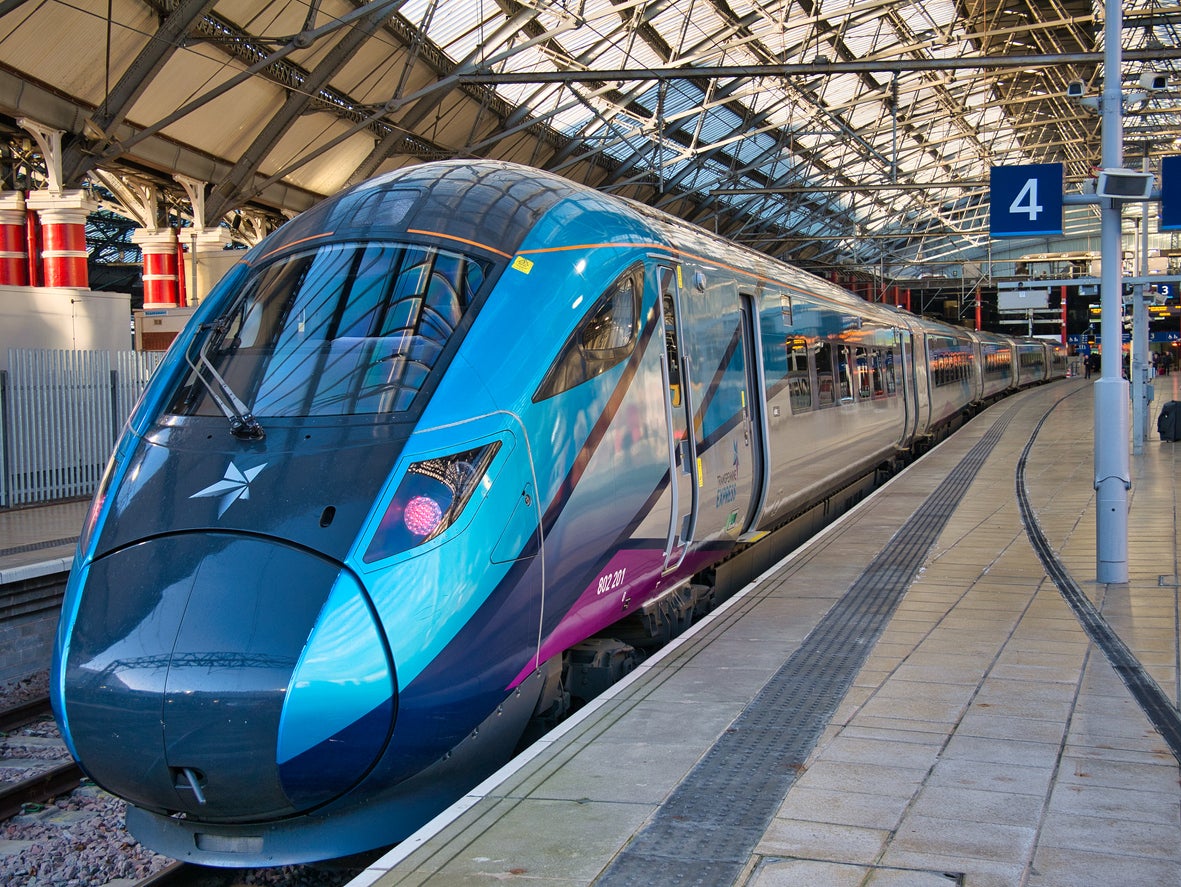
pixel 39 539
pixel 885 707
pixel 36 551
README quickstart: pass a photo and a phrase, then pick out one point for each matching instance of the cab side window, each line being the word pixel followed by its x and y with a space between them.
pixel 603 338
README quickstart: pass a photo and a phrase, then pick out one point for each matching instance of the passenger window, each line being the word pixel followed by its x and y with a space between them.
pixel 603 339
pixel 845 374
pixel 800 392
pixel 824 381
pixel 799 383
pixel 670 342
pixel 861 359
pixel 825 384
pixel 878 372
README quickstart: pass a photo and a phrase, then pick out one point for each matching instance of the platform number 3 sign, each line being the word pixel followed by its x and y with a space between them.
pixel 1025 200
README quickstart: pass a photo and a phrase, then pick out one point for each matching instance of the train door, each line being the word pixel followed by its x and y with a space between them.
pixel 754 418
pixel 682 450
pixel 922 382
pixel 904 365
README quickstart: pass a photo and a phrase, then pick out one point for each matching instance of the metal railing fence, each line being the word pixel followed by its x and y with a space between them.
pixel 60 415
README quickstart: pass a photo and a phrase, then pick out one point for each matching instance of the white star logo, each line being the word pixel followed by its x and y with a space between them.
pixel 233 486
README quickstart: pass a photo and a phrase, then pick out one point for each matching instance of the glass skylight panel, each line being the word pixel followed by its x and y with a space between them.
pixel 867 38
pixel 459 36
pixel 719 123
pixel 597 47
pixel 679 97
pixel 941 14
pixel 867 113
pixel 572 118
pixel 415 11
pixel 704 25
pixel 834 8
pixel 841 89
pixel 676 167
pixel 457 27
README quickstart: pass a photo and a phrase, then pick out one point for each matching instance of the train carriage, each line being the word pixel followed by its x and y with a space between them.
pixel 950 370
pixel 996 365
pixel 423 441
pixel 1033 361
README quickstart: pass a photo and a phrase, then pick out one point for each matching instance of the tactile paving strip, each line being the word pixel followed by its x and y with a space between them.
pixel 1153 701
pixel 37 546
pixel 705 833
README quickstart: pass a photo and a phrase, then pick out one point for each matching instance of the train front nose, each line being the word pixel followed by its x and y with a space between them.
pixel 228 677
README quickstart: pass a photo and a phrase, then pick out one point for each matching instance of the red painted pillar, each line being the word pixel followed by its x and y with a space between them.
pixel 14 259
pixel 1063 291
pixel 33 242
pixel 63 251
pixel 63 236
pixel 159 276
pixel 182 297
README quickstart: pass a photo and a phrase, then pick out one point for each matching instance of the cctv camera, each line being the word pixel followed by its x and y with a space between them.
pixel 1076 89
pixel 1153 80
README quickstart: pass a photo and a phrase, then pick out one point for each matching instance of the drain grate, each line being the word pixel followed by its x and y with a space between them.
pixel 705 833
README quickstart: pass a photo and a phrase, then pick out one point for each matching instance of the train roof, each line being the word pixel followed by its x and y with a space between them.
pixel 465 200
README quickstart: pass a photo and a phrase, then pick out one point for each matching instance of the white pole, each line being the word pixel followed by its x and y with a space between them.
pixel 1140 359
pixel 1112 460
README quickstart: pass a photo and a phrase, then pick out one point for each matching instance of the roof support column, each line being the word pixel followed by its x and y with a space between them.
pixel 63 232
pixel 208 257
pixel 160 266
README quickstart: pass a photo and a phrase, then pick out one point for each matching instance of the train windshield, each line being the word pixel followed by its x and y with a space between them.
pixel 342 329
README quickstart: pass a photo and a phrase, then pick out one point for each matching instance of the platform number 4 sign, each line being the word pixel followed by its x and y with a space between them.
pixel 1025 200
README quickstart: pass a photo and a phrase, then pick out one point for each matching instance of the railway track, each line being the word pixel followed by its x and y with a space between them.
pixel 23 713
pixel 47 778
pixel 184 874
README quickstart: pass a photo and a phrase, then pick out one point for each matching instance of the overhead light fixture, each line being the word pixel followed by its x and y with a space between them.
pixel 1154 80
pixel 1124 184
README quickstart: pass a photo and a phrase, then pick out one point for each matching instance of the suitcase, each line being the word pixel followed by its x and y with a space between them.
pixel 1168 423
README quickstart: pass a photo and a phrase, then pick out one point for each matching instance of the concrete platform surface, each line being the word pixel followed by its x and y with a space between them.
pixel 984 737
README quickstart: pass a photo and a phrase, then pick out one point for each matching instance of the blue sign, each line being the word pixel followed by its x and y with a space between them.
pixel 1025 200
pixel 1170 193
pixel 1079 340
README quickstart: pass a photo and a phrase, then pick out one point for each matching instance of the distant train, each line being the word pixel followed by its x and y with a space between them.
pixel 420 443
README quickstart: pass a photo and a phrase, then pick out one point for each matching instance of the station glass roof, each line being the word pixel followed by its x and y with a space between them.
pixel 834 133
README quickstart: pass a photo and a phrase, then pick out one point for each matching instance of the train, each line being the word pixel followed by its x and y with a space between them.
pixel 416 450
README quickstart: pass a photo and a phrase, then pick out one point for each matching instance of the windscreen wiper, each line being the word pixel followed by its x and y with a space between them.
pixel 242 422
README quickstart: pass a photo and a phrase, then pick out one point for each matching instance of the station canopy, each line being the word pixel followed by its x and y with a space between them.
pixel 831 133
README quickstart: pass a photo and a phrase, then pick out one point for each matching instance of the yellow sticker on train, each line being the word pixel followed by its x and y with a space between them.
pixel 520 263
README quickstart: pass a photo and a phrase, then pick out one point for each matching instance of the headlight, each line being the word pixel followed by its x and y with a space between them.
pixel 429 499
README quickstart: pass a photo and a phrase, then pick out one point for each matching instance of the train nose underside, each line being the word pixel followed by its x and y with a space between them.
pixel 227 677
